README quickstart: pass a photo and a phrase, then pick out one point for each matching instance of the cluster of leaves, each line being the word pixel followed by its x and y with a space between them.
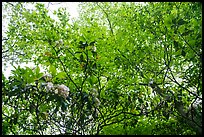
pixel 107 58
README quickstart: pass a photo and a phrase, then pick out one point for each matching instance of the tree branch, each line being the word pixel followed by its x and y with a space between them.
pixel 107 17
pixel 65 69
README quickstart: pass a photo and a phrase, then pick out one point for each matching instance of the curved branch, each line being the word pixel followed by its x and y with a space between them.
pixel 65 68
pixel 190 46
pixel 107 17
pixel 174 80
pixel 103 123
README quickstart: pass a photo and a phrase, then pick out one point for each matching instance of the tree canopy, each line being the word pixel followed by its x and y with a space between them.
pixel 121 68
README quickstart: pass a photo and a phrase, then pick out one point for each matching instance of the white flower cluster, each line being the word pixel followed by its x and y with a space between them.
pixel 94 92
pixel 61 90
pixel 47 77
pixel 97 101
pixel 49 86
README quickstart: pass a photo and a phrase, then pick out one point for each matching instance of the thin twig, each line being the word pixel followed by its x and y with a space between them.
pixel 65 69
pixel 107 17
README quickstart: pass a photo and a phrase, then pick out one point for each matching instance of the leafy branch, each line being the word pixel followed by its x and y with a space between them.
pixel 107 17
pixel 65 70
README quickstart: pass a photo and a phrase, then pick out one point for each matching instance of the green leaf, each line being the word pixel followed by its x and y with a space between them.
pixel 52 70
pixel 37 70
pixel 61 75
pixel 43 108
pixel 135 42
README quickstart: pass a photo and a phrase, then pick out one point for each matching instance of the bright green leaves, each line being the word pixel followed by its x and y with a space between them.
pixel 63 16
pixel 61 75
pixel 192 42
pixel 152 40
pixel 168 21
pixel 174 11
pixel 44 108
pixel 57 76
pixel 35 28
pixel 28 73
pixel 37 73
pixel 92 80
pixel 25 75
pixel 52 70
pixel 181 29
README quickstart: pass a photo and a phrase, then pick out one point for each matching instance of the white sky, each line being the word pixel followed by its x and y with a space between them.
pixel 72 9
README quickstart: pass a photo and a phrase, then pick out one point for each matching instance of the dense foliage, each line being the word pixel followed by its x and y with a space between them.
pixel 120 68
